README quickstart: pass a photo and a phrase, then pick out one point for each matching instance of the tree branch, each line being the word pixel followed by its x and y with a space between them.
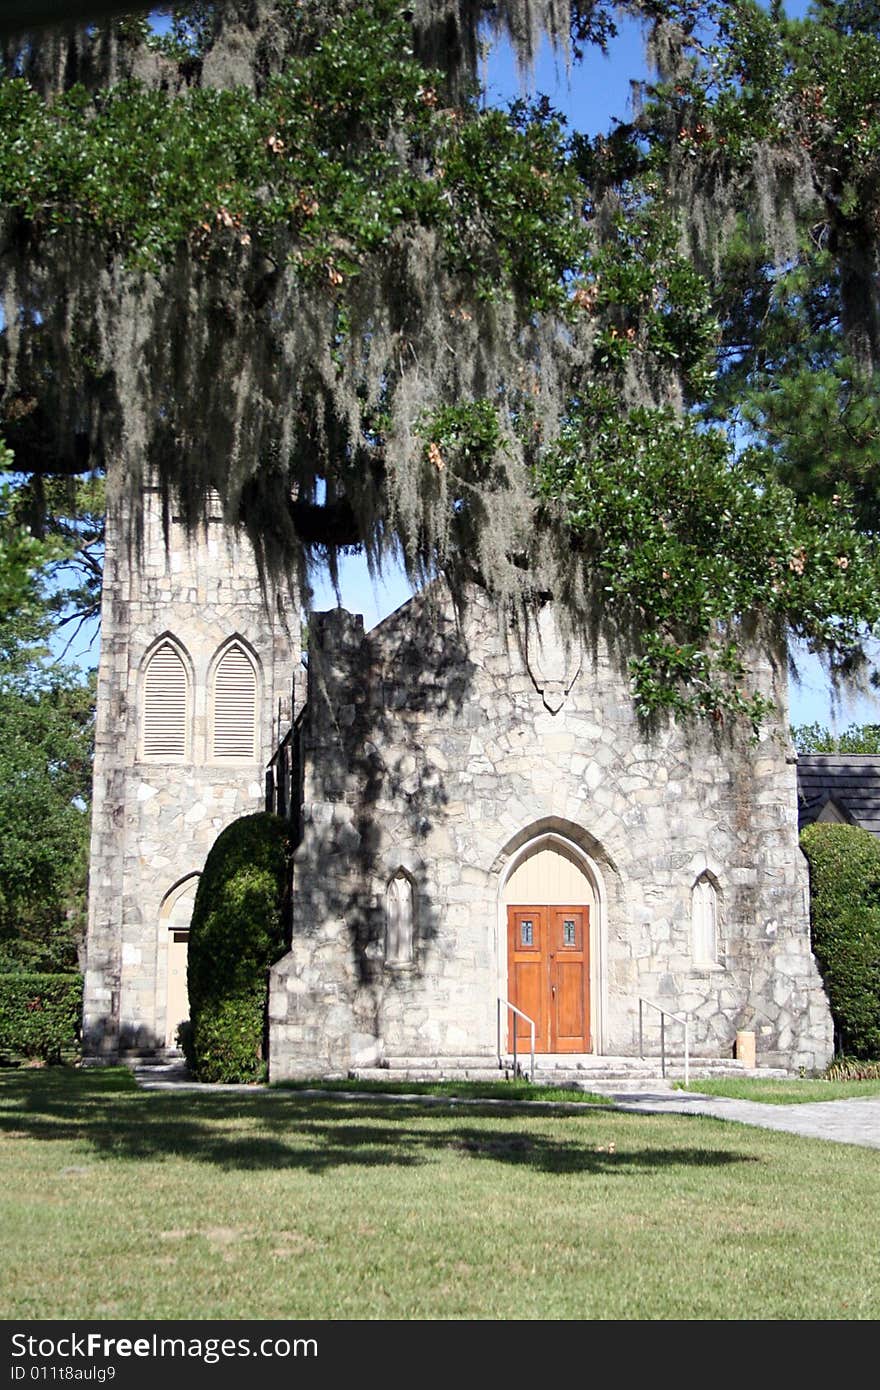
pixel 332 524
pixel 37 452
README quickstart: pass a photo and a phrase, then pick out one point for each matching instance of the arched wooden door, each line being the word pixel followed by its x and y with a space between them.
pixel 549 900
pixel 548 967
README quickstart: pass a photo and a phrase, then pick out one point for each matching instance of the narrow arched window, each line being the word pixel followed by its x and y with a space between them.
pixel 234 707
pixel 166 706
pixel 704 913
pixel 399 918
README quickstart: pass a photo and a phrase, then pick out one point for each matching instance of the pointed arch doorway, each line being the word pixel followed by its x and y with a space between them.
pixel 549 913
pixel 174 918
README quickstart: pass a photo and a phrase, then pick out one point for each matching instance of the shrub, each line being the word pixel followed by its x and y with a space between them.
pixel 40 1015
pixel 228 1040
pixel 852 1069
pixel 237 932
pixel 184 1042
pixel 845 918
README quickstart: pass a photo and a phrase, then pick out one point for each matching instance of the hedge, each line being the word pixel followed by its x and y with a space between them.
pixel 40 1015
pixel 237 932
pixel 845 920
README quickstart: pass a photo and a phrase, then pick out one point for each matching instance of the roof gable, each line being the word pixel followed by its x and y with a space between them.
pixel 850 781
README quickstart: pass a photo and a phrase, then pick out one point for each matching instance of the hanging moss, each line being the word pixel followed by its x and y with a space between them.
pixel 284 255
pixel 274 294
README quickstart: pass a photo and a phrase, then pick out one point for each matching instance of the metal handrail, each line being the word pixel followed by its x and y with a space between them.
pixel 664 1014
pixel 277 775
pixel 283 776
pixel 526 1019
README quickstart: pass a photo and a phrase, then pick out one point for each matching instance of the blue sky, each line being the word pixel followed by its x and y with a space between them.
pixel 589 94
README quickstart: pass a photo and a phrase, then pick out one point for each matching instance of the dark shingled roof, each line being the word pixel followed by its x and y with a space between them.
pixel 850 780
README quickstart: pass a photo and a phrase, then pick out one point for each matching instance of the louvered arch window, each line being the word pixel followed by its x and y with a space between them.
pixel 234 706
pixel 166 706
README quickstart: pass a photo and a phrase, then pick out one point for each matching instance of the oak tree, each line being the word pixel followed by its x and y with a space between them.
pixel 285 251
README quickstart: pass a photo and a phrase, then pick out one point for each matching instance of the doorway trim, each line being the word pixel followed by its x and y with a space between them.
pixel 598 923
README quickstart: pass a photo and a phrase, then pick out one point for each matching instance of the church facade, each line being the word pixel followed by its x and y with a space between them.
pixel 480 822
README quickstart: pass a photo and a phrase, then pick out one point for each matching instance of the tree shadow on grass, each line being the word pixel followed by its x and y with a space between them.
pixel 274 1130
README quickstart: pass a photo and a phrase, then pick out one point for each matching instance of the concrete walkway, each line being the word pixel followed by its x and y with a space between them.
pixel 842 1121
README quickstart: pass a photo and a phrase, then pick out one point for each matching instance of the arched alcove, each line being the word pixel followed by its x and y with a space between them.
pixel 551 939
pixel 705 904
pixel 400 919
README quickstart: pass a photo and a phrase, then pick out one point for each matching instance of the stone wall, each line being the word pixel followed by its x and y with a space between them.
pixel 154 821
pixel 441 748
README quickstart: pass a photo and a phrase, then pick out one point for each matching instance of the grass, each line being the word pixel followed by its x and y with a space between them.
pixel 121 1203
pixel 790 1091
pixel 456 1090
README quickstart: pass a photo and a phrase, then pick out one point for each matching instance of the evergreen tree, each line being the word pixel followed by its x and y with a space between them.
pixel 856 738
pixel 46 721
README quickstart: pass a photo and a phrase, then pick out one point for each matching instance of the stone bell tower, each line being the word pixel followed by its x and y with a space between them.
pixel 195 683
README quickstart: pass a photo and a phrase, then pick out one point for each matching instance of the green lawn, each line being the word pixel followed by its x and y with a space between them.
pixel 120 1203
pixel 462 1090
pixel 790 1091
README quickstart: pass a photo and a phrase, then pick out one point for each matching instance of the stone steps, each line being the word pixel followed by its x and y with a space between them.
pixel 139 1057
pixel 604 1075
pixel 579 1072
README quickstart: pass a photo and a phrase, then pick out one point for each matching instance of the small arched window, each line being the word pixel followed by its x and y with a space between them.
pixel 166 706
pixel 399 919
pixel 234 707
pixel 704 915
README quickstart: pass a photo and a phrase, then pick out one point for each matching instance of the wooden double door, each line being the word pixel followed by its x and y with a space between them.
pixel 548 968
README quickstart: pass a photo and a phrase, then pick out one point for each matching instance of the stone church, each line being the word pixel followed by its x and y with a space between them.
pixel 487 839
